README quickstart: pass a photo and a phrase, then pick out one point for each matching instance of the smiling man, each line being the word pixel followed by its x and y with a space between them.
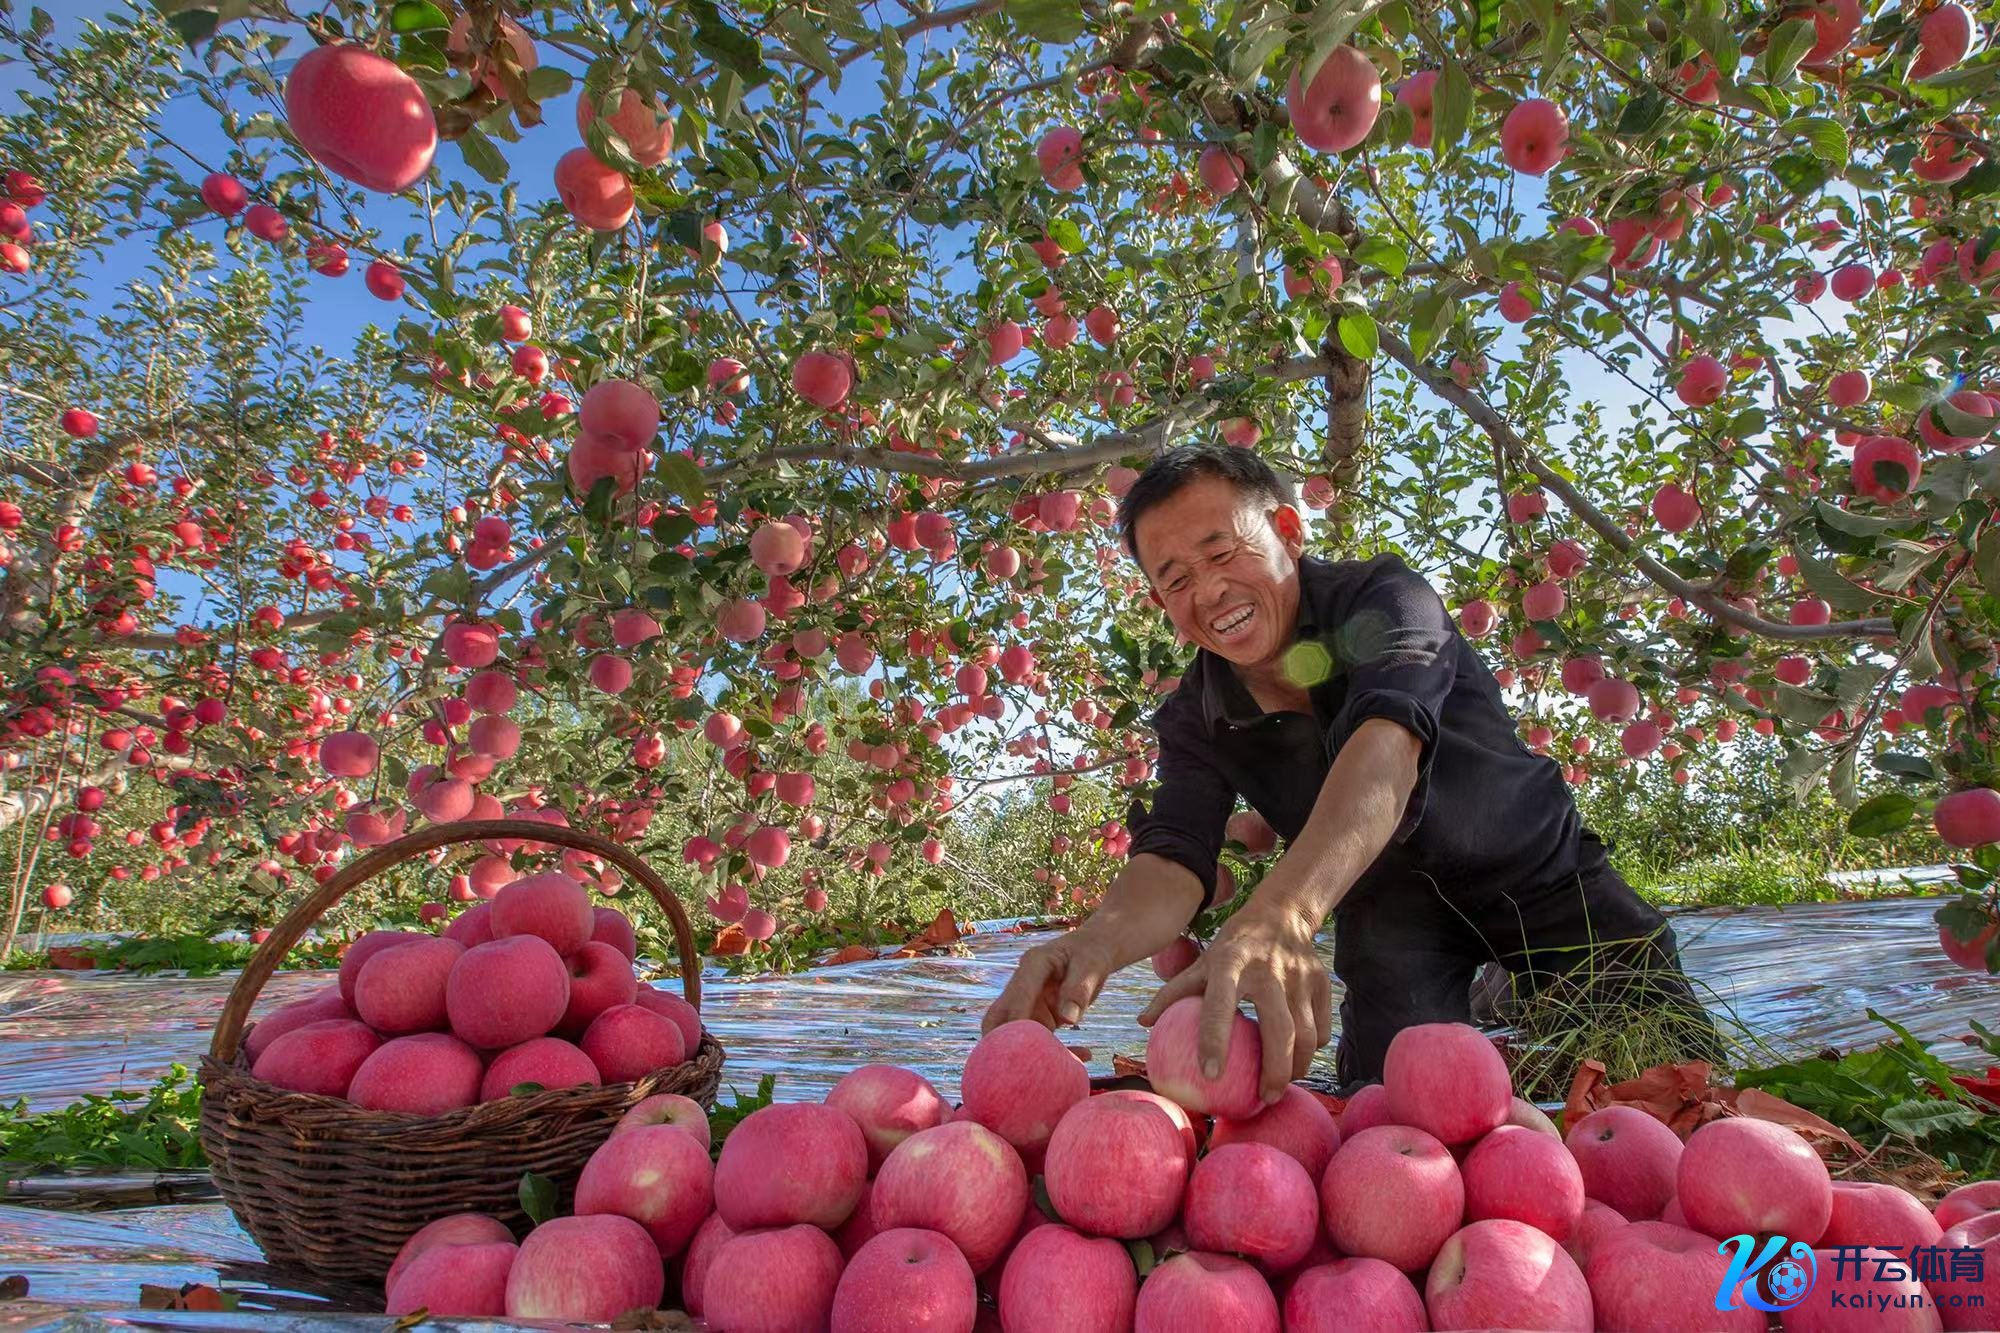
pixel 1338 699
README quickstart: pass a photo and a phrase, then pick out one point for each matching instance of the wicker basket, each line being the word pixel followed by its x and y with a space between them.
pixel 333 1190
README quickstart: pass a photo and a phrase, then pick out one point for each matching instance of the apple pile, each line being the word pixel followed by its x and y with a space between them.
pixel 1437 1199
pixel 534 987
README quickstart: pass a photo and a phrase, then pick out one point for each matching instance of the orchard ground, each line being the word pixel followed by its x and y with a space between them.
pixel 729 462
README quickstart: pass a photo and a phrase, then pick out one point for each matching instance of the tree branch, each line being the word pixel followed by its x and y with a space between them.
pixel 1604 526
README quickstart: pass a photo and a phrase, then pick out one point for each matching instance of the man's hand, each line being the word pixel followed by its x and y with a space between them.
pixel 1265 955
pixel 1055 982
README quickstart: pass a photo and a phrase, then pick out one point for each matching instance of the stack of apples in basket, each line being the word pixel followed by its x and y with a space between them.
pixel 1437 1199
pixel 533 987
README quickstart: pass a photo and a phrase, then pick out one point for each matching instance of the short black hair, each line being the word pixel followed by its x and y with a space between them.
pixel 1164 477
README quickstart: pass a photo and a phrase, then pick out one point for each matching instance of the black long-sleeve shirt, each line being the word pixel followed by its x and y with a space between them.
pixel 1486 812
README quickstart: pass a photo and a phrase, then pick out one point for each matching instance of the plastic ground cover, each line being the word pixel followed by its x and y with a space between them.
pixel 1802 977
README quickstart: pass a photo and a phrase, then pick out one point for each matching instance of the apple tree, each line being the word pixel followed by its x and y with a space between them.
pixel 731 464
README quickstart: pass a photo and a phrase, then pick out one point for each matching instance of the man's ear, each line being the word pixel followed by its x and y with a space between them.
pixel 1291 526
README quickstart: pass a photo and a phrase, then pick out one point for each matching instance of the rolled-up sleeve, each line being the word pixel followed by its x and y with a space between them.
pixel 1191 797
pixel 1399 652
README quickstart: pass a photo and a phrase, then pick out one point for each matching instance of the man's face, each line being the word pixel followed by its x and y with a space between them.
pixel 1225 566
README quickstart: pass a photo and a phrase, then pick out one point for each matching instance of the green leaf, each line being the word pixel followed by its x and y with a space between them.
pixel 1451 107
pixel 1986 560
pixel 1881 815
pixel 1051 22
pixel 538 1197
pixel 1065 233
pixel 546 81
pixel 1357 334
pixel 1921 1117
pixel 1824 581
pixel 194 26
pixel 1788 46
pixel 482 156
pixel 417 16
pixel 1828 139
pixel 682 477
pixel 735 49
pixel 1383 253
pixel 1641 114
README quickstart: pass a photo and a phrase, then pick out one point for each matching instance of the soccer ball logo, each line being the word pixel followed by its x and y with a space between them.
pixel 1788 1282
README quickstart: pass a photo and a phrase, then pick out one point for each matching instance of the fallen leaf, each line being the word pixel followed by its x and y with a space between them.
pixel 13 1288
pixel 188 1296
pixel 1127 1066
pixel 853 953
pixel 1684 1097
pixel 730 940
pixel 938 934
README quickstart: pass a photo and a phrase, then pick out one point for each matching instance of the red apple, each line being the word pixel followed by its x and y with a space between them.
pixel 708 1240
pixel 599 977
pixel 451 1229
pixel 1253 1200
pixel 1654 1277
pixel 1966 1202
pixel 1600 1221
pixel 1524 1175
pixel 908 1280
pixel 890 1104
pixel 550 1062
pixel 428 1073
pixel 1354 1296
pixel 551 905
pixel 1366 1109
pixel 1506 1274
pixel 585 1270
pixel 1018 1082
pixel 402 990
pixel 961 1179
pixel 1968 1300
pixel 772 1280
pixel 505 992
pixel 361 116
pixel 1628 1160
pixel 627 1042
pixel 364 947
pixel 1297 1124
pixel 1447 1080
pixel 1869 1213
pixel 317 1057
pixel 1742 1175
pixel 466 1281
pixel 1199 1291
pixel 669 1005
pixel 797 1162
pixel 319 1007
pixel 1392 1162
pixel 658 1176
pixel 1117 1168
pixel 598 196
pixel 667 1108
pixel 1057 1278
pixel 1173 1063
pixel 1334 106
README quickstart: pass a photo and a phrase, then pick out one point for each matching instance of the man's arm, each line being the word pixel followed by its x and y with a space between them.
pixel 1145 909
pixel 1265 951
pixel 1359 807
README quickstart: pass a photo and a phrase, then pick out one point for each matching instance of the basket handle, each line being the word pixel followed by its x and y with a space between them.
pixel 236 1011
